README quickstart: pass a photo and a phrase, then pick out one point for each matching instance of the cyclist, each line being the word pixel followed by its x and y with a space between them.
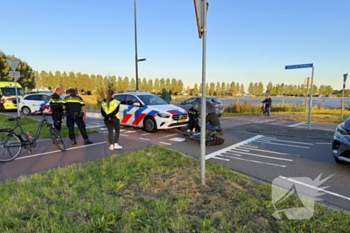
pixel 267 103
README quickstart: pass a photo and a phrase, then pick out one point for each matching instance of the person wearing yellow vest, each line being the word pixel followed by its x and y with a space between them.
pixel 110 114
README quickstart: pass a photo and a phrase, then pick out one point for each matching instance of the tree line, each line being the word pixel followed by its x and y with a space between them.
pixel 89 84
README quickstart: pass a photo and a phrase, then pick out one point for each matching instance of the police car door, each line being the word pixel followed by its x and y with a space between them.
pixel 133 111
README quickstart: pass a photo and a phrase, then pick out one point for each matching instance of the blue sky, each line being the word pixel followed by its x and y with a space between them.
pixel 247 41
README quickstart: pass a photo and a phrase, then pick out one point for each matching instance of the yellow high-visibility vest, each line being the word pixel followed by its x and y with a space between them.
pixel 112 106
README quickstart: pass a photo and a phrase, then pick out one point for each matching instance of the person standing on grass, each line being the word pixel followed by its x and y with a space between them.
pixel 267 103
pixel 110 114
pixel 166 96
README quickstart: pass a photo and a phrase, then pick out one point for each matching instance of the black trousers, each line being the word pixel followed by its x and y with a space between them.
pixel 193 124
pixel 57 121
pixel 113 124
pixel 74 118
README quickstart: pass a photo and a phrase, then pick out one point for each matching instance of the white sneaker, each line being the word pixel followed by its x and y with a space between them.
pixel 188 130
pixel 117 146
pixel 194 130
pixel 111 147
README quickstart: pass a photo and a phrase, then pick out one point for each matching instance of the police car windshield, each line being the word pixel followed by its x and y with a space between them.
pixel 152 100
pixel 8 91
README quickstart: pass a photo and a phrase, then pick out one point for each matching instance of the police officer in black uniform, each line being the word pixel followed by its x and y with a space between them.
pixel 76 113
pixel 57 107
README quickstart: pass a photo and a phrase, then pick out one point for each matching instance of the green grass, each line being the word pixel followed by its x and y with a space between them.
pixel 31 126
pixel 149 190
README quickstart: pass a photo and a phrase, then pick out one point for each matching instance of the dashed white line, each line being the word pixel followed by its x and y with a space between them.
pixel 56 151
pixel 165 143
pixel 146 139
pixel 296 124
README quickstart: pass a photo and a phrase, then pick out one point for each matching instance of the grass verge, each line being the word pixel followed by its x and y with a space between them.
pixel 31 126
pixel 149 190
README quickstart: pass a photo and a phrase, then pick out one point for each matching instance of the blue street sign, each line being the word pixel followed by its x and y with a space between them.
pixel 299 66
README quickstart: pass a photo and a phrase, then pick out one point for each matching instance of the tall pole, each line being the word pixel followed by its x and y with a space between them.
pixel 307 90
pixel 310 100
pixel 203 105
pixel 342 106
pixel 136 59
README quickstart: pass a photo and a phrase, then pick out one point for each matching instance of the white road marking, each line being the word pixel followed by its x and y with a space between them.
pixel 144 134
pixel 103 128
pixel 56 151
pixel 170 135
pixel 279 144
pixel 316 188
pixel 273 152
pixel 323 143
pixel 130 131
pixel 177 139
pixel 263 156
pixel 277 140
pixel 247 146
pixel 165 143
pixel 146 139
pixel 253 161
pixel 296 124
pixel 221 158
pixel 245 150
pixel 216 153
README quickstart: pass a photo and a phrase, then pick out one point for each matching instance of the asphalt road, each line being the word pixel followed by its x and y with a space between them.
pixel 262 147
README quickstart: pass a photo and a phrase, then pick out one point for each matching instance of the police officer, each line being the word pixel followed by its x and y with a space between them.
pixel 76 113
pixel 57 107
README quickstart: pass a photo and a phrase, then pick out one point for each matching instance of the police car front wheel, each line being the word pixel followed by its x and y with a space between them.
pixel 25 111
pixel 150 125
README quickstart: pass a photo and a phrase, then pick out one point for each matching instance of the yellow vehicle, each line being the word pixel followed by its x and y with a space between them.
pixel 8 95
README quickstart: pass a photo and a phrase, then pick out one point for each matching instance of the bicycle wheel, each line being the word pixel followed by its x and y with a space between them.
pixel 57 139
pixel 10 146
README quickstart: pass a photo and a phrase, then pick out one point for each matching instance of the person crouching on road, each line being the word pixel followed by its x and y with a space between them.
pixel 110 114
pixel 57 107
pixel 76 113
pixel 193 119
pixel 213 123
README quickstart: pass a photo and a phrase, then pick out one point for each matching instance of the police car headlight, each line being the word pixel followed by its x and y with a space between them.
pixel 163 115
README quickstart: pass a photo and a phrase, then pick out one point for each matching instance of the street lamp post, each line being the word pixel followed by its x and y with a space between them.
pixel 136 58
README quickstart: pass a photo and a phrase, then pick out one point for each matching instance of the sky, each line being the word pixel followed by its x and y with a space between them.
pixel 247 41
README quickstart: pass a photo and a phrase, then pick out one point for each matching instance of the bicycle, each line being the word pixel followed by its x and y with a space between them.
pixel 12 143
pixel 261 110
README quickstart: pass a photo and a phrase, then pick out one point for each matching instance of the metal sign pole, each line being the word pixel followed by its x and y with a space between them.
pixel 310 103
pixel 203 101
pixel 342 102
pixel 307 90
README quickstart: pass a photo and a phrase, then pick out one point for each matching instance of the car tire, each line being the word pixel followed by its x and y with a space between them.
pixel 149 124
pixel 26 111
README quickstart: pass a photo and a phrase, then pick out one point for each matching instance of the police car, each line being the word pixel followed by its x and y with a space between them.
pixel 150 112
pixel 34 102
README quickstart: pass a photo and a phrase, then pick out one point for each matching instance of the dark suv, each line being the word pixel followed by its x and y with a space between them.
pixel 216 102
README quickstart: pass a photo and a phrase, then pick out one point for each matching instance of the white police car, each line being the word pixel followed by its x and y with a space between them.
pixel 144 110
pixel 34 102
